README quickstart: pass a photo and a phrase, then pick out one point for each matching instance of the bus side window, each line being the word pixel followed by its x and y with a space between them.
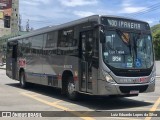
pixel 50 43
pixel 65 41
pixel 37 44
pixel 83 43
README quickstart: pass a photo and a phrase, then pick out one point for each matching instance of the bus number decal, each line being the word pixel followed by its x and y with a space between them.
pixel 68 66
pixel 116 58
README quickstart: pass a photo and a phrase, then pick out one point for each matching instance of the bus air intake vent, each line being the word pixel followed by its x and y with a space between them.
pixel 127 89
pixel 133 74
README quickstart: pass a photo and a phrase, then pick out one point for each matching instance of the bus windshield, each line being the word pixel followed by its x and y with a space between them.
pixel 127 50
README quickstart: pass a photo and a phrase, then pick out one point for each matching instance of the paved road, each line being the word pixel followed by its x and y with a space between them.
pixel 39 98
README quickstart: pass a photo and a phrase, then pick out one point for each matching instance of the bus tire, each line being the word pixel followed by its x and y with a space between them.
pixel 23 83
pixel 71 91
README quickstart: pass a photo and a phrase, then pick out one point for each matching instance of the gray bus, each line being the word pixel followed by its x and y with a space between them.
pixel 96 55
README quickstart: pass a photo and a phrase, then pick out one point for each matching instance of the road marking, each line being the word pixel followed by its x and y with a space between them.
pixel 69 104
pixel 35 95
pixel 141 109
pixel 135 109
pixel 150 101
pixel 154 108
pixel 123 118
pixel 57 102
pixel 54 104
pixel 31 93
pixel 147 96
pixel 38 99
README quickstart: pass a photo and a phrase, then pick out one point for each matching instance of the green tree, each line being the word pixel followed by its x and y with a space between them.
pixel 156 42
pixel 155 28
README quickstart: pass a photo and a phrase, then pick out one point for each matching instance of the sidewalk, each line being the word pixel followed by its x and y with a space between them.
pixel 3 67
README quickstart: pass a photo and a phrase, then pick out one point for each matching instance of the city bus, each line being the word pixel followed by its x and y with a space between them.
pixel 96 55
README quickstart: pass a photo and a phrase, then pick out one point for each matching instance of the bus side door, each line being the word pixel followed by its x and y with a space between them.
pixel 11 65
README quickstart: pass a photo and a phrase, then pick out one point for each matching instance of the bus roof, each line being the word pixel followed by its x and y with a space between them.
pixel 69 24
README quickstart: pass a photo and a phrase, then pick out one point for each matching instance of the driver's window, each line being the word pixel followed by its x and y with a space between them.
pixel 109 41
pixel 83 43
pixel 90 43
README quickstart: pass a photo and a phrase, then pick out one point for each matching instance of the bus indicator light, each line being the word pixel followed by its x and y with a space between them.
pixel 142 80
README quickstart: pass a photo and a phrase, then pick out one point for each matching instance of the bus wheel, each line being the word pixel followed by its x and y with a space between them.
pixel 23 83
pixel 71 91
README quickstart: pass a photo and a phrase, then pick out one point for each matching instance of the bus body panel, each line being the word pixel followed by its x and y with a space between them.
pixel 47 63
pixel 124 89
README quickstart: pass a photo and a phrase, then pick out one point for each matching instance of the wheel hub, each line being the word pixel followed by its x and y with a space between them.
pixel 71 88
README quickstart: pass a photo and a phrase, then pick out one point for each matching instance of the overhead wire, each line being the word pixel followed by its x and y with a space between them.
pixel 146 10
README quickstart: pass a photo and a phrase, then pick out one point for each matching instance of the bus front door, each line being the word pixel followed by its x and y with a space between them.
pixel 86 48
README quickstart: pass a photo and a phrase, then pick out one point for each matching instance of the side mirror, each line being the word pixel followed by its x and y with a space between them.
pixel 102 37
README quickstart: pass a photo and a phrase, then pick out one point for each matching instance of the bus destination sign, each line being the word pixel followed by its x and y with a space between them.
pixel 124 23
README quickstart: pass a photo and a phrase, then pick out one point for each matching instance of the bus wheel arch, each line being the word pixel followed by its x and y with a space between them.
pixel 68 85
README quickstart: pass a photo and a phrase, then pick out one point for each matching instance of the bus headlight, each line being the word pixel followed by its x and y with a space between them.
pixel 108 77
pixel 153 77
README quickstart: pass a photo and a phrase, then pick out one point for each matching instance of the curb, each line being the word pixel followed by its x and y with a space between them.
pixel 3 68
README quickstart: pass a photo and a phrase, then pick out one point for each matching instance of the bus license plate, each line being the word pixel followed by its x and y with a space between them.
pixel 134 92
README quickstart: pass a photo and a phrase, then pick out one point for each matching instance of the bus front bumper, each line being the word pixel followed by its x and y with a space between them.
pixel 105 88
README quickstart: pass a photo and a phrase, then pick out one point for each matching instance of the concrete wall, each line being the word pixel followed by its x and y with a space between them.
pixel 5 31
pixel 1 23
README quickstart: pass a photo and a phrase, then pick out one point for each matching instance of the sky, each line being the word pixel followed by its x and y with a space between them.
pixel 43 13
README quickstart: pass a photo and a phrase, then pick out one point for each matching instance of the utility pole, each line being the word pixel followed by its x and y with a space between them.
pixel 20 23
pixel 27 26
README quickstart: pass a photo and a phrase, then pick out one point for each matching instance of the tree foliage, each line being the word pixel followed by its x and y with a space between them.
pixel 156 40
pixel 155 28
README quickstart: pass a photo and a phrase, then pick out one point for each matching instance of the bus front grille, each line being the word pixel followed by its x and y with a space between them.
pixel 127 89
